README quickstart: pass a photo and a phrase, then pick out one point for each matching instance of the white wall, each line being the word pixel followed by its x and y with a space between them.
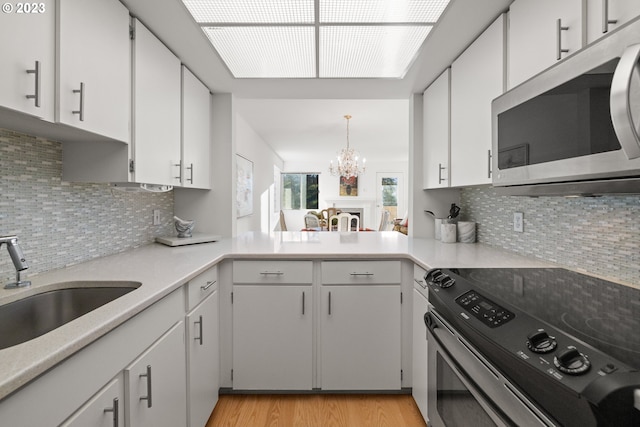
pixel 251 146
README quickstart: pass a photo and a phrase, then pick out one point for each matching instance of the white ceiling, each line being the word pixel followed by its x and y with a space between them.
pixel 292 114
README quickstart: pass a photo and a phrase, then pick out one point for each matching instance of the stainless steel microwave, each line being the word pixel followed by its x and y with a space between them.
pixel 574 127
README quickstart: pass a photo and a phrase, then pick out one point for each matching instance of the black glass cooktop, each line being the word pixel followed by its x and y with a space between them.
pixel 603 314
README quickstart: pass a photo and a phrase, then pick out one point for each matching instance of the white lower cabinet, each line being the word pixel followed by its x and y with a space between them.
pixel 105 409
pixel 360 337
pixel 155 383
pixel 272 337
pixel 203 360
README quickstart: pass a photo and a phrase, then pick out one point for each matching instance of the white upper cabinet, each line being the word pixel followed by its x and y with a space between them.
pixel 28 60
pixel 607 15
pixel 196 139
pixel 540 33
pixel 436 130
pixel 477 77
pixel 157 96
pixel 94 90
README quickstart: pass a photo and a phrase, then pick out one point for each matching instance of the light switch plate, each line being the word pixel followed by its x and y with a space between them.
pixel 518 222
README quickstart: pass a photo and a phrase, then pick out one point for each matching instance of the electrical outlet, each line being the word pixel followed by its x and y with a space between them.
pixel 518 222
pixel 156 217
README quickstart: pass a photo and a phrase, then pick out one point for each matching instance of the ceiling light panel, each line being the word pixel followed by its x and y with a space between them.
pixel 266 52
pixel 381 11
pixel 369 51
pixel 251 11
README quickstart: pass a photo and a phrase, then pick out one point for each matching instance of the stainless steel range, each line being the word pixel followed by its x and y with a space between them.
pixel 532 347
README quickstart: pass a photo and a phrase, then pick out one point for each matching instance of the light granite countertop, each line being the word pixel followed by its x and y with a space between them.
pixel 162 269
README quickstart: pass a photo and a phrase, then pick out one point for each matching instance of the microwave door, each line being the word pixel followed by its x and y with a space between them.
pixel 625 101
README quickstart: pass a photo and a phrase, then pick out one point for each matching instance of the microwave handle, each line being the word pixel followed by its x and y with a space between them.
pixel 621 114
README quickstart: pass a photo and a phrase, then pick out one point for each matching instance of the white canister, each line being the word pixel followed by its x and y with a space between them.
pixel 466 232
pixel 438 223
pixel 448 232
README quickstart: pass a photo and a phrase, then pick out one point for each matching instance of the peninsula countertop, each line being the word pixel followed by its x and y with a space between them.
pixel 162 269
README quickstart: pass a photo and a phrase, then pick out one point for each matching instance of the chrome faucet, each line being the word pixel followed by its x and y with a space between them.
pixel 18 261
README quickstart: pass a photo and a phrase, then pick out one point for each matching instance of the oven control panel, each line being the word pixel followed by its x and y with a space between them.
pixel 485 310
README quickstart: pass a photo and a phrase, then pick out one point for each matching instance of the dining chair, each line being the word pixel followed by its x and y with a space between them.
pixel 384 220
pixel 311 221
pixel 327 214
pixel 345 222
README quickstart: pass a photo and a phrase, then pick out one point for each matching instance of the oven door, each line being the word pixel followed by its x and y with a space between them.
pixel 464 389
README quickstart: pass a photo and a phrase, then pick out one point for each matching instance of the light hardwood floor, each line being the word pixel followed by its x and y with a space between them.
pixel 316 410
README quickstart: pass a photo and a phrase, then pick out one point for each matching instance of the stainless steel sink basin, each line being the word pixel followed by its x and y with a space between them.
pixel 35 315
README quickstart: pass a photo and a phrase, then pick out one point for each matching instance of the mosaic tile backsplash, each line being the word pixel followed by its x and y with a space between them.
pixel 597 235
pixel 61 223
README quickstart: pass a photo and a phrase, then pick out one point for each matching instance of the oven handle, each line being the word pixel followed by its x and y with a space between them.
pixel 620 101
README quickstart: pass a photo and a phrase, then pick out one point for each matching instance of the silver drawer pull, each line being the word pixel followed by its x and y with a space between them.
pixel 421 283
pixel 116 411
pixel 208 285
pixel 271 273
pixel 361 274
pixel 605 17
pixel 148 396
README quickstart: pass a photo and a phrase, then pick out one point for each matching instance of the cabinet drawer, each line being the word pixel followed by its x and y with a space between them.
pixel 360 272
pixel 418 276
pixel 272 272
pixel 202 286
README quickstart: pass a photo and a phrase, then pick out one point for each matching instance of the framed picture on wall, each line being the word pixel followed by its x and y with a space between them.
pixel 349 186
pixel 244 186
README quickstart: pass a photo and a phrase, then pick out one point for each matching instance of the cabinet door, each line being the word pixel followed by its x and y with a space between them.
pixel 419 371
pixel 272 337
pixel 477 77
pixel 436 130
pixel 203 360
pixel 196 140
pixel 94 82
pixel 105 409
pixel 28 38
pixel 533 35
pixel 620 11
pixel 360 337
pixel 157 110
pixel 155 383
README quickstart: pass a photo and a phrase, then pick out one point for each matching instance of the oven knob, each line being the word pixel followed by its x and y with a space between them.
pixel 438 278
pixel 540 342
pixel 571 361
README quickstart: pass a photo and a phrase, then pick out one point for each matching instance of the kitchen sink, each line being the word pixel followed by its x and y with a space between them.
pixel 37 314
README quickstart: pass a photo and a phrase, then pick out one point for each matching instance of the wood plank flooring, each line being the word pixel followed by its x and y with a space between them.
pixel 316 410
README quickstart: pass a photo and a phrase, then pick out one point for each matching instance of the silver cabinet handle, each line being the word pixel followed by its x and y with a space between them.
pixel 208 285
pixel 621 112
pixel 421 283
pixel 199 323
pixel 488 163
pixel 37 75
pixel 190 179
pixel 440 169
pixel 605 17
pixel 80 112
pixel 361 274
pixel 303 303
pixel 179 166
pixel 148 397
pixel 559 30
pixel 329 303
pixel 116 411
pixel 271 273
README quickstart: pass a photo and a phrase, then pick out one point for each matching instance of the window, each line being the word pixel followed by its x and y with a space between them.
pixel 300 191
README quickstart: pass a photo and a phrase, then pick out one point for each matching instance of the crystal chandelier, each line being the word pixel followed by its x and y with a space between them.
pixel 348 164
